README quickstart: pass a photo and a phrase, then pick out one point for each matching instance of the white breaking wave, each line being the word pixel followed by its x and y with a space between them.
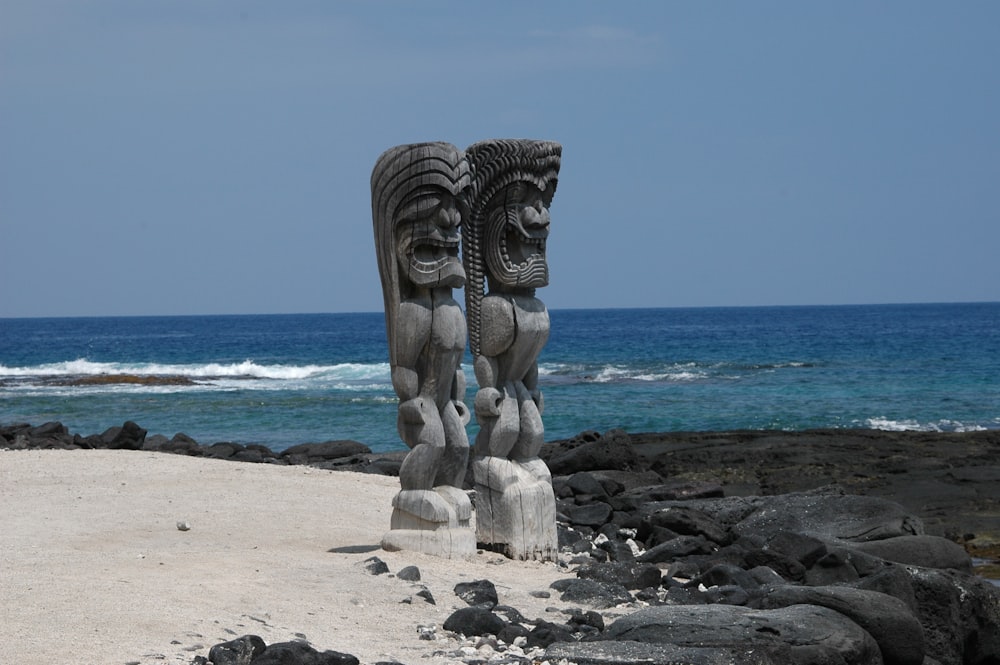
pixel 910 425
pixel 376 399
pixel 617 373
pixel 679 372
pixel 204 373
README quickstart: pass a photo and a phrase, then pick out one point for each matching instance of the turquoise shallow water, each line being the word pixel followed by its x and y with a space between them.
pixel 287 379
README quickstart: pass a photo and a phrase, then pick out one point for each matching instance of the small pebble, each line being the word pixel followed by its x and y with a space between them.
pixel 183 526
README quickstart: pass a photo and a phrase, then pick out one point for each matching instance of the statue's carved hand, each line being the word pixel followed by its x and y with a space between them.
pixel 411 411
pixel 463 411
pixel 488 402
pixel 536 397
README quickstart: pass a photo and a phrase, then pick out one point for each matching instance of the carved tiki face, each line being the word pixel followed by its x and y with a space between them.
pixel 427 238
pixel 415 211
pixel 507 222
pixel 513 181
pixel 517 227
pixel 415 215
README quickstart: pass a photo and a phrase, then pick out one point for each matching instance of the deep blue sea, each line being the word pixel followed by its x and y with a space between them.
pixel 287 379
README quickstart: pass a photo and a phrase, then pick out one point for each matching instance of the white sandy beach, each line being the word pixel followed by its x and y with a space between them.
pixel 93 568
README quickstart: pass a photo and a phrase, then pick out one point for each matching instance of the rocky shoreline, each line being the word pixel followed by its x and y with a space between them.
pixel 832 546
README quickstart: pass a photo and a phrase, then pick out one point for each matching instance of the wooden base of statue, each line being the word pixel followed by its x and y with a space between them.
pixel 515 508
pixel 433 522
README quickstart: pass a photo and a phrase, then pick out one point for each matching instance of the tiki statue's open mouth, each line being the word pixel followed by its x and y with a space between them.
pixel 429 255
pixel 515 245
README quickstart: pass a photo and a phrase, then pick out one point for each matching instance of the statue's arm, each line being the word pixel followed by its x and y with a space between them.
pixel 531 383
pixel 540 318
pixel 486 369
pixel 406 382
pixel 488 398
pixel 458 396
pixel 531 378
pixel 496 336
pixel 413 328
pixel 458 385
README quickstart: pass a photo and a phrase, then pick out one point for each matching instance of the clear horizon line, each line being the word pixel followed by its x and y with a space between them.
pixel 556 309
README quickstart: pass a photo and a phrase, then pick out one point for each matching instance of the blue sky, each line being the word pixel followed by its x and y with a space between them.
pixel 191 157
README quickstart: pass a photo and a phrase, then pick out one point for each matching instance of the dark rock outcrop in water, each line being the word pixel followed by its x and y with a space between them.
pixel 951 480
pixel 338 454
pixel 833 546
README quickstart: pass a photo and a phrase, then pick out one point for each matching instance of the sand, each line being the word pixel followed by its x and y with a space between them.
pixel 93 568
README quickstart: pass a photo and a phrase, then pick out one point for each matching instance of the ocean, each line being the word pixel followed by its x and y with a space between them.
pixel 281 380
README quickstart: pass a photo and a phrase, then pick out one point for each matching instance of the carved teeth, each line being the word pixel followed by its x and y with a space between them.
pixel 428 250
pixel 524 243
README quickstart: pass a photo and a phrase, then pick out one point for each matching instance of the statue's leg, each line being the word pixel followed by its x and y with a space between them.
pixel 426 517
pixel 497 437
pixel 454 463
pixel 455 456
pixel 417 505
pixel 427 440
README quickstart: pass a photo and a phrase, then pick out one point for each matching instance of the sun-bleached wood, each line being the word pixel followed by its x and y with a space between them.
pixel 415 212
pixel 503 240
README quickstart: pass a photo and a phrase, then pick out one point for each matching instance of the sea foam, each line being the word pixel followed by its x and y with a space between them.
pixel 911 425
pixel 223 374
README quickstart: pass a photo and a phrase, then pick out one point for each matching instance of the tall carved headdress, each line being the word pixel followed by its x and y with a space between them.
pixel 495 164
pixel 403 177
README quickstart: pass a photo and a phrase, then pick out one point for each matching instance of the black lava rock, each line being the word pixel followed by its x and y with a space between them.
pixel 474 621
pixel 546 633
pixel 409 574
pixel 592 592
pixel 481 593
pixel 629 575
pixel 375 566
pixel 241 651
pixel 301 653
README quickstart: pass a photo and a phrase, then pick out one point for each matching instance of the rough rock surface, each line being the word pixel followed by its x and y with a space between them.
pixel 795 634
pixel 888 620
pixel 480 593
pixel 251 650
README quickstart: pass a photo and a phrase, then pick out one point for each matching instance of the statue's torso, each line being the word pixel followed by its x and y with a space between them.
pixel 444 347
pixel 528 321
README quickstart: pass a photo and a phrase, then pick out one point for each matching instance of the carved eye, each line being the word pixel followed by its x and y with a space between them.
pixel 518 191
pixel 421 207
